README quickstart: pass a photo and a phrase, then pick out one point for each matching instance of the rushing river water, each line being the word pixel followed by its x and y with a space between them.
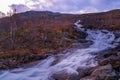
pixel 70 61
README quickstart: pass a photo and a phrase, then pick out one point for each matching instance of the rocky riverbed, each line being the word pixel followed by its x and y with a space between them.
pixel 108 68
pixel 97 59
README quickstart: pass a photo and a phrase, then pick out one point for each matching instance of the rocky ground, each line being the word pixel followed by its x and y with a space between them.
pixel 38 36
pixel 108 68
pixel 10 62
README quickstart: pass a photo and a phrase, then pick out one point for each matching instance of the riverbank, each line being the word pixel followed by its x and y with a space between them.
pixel 108 67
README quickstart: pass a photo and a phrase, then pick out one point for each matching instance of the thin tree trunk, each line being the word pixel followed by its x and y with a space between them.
pixel 11 33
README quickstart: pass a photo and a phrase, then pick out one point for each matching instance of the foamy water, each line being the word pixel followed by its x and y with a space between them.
pixel 69 62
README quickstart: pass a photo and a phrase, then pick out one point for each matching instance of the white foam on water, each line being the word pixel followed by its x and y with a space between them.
pixel 70 62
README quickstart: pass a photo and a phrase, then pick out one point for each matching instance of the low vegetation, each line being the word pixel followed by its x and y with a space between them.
pixel 32 44
pixel 38 34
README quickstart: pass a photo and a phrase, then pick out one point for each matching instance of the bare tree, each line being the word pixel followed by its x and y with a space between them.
pixel 10 14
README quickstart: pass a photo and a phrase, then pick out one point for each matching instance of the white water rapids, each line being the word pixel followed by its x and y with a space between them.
pixel 69 62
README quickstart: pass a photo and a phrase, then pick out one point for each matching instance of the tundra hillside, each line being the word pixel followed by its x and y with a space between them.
pixel 37 34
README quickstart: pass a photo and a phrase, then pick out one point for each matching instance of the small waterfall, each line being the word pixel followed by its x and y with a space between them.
pixel 69 62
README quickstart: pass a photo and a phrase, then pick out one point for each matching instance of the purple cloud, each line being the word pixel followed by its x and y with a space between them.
pixel 69 6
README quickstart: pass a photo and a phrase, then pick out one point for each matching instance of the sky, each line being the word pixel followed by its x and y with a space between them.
pixel 63 6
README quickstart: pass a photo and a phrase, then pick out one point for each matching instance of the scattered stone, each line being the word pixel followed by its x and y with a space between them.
pixel 90 78
pixel 110 60
pixel 64 75
pixel 110 54
pixel 118 53
pixel 85 72
pixel 81 35
pixel 103 71
pixel 111 78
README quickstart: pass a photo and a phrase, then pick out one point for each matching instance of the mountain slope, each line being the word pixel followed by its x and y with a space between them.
pixel 106 20
pixel 109 20
pixel 44 32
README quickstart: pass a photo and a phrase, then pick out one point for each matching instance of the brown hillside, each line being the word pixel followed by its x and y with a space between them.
pixel 43 33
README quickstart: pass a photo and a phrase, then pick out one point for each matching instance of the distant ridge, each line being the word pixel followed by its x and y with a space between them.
pixel 103 20
pixel 2 14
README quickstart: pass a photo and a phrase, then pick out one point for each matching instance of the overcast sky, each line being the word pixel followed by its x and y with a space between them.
pixel 65 6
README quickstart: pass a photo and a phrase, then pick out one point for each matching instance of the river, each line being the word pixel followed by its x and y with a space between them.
pixel 68 62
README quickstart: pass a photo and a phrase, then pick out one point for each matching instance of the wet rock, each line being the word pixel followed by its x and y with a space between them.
pixel 111 78
pixel 80 73
pixel 110 54
pixel 117 33
pixel 118 53
pixel 113 60
pixel 118 48
pixel 105 54
pixel 104 62
pixel 90 78
pixel 81 35
pixel 84 72
pixel 64 75
pixel 103 71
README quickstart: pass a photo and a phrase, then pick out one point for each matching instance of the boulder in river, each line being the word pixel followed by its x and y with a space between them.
pixel 64 75
pixel 90 78
pixel 103 71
